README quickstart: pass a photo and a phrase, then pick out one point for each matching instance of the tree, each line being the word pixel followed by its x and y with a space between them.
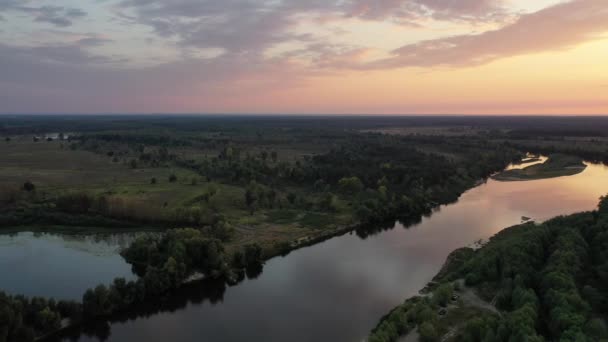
pixel 47 320
pixel 443 294
pixel 596 328
pixel 96 302
pixel 253 255
pixel 329 202
pixel 250 199
pixel 428 333
pixel 153 180
pixel 29 186
pixel 252 195
pixel 350 185
pixel 603 206
pixel 172 178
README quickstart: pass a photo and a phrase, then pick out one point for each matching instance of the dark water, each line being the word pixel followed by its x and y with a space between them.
pixel 60 266
pixel 339 289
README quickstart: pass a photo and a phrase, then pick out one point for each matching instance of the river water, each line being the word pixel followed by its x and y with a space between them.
pixel 338 290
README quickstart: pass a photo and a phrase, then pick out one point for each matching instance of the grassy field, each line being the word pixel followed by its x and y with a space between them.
pixel 558 165
pixel 52 165
pixel 56 169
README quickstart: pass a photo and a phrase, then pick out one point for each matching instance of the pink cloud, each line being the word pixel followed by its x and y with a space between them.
pixel 558 27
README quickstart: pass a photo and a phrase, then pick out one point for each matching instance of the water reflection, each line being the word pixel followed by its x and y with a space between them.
pixel 529 161
pixel 337 290
pixel 60 266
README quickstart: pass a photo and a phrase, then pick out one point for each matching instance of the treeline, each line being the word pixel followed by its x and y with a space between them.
pixel 389 177
pixel 382 177
pixel 24 319
pixel 550 282
pixel 164 264
pixel 86 209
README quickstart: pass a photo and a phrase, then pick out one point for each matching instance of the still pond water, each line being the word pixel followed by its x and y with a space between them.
pixel 334 291
pixel 60 266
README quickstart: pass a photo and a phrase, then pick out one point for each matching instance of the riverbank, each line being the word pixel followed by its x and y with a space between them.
pixel 309 240
pixel 521 273
pixel 444 305
pixel 326 275
pixel 557 165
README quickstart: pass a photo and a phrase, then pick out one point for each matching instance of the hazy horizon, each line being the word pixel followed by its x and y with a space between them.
pixel 244 114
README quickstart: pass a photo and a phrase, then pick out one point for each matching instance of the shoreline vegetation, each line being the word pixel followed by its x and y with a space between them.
pixel 557 165
pixel 530 282
pixel 227 195
pixel 363 184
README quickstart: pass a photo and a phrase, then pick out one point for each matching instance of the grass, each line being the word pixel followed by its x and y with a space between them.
pixel 53 166
pixel 55 169
pixel 316 220
pixel 282 216
pixel 558 165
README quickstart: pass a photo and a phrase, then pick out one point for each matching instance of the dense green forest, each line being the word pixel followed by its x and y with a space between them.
pixel 547 282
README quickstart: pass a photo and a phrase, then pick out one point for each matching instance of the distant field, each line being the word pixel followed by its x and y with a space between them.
pixel 49 165
pixel 431 130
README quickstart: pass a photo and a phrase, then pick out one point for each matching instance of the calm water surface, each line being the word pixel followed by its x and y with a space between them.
pixel 338 290
pixel 60 266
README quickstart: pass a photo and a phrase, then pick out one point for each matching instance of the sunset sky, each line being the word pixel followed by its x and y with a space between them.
pixel 304 56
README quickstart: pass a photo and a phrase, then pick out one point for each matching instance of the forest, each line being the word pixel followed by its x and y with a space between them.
pixel 547 282
pixel 226 194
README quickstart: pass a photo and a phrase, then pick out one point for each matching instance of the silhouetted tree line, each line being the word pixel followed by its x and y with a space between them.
pixel 164 263
pixel 24 319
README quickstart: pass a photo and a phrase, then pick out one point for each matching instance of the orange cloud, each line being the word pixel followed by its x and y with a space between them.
pixel 558 27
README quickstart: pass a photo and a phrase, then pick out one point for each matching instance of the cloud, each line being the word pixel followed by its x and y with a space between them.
pixel 558 27
pixel 233 25
pixel 67 78
pixel 56 15
pixel 71 76
pixel 411 10
pixel 243 25
pixel 74 53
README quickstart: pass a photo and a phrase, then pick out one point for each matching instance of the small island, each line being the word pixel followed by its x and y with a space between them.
pixel 557 165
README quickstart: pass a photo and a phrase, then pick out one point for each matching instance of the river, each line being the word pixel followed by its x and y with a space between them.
pixel 338 290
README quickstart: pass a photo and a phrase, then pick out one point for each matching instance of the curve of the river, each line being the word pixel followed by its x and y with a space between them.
pixel 338 290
